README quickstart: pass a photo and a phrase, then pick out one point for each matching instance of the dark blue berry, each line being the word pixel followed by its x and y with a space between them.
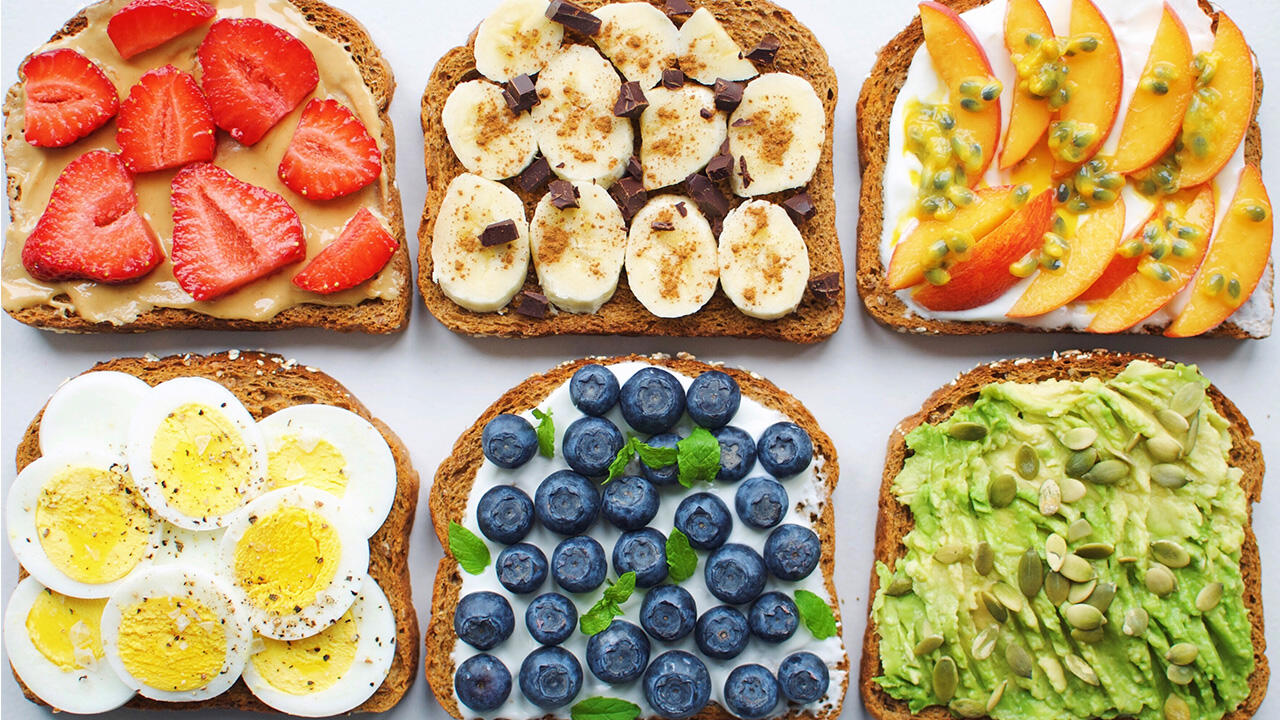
pixel 551 618
pixel 578 564
pixel 761 502
pixel 737 453
pixel 522 568
pixel 594 389
pixel 619 653
pixel 566 502
pixel 483 619
pixel 482 682
pixel 652 400
pixel 668 613
pixel 784 449
pixel 713 399
pixel 721 632
pixel 508 441
pixel 629 502
pixel 590 445
pixel 505 514
pixel 735 574
pixel 792 552
pixel 550 677
pixel 705 519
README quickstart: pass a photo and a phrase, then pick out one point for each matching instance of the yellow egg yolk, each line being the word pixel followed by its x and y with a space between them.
pixel 286 558
pixel 301 667
pixel 91 524
pixel 172 644
pixel 201 461
pixel 66 630
pixel 317 464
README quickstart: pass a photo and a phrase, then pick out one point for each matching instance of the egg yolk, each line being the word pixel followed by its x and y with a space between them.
pixel 201 461
pixel 317 464
pixel 66 630
pixel 172 644
pixel 91 524
pixel 286 558
pixel 301 667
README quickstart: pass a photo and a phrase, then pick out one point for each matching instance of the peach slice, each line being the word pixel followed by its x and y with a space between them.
pixel 1164 91
pixel 959 57
pixel 984 275
pixel 1029 115
pixel 1219 114
pixel 915 253
pixel 1036 169
pixel 1092 248
pixel 1235 263
pixel 1097 79
pixel 1118 270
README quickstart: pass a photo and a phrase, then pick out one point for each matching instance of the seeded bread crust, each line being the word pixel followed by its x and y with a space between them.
pixel 875 106
pixel 377 315
pixel 267 383
pixel 895 521
pixel 454 478
pixel 816 319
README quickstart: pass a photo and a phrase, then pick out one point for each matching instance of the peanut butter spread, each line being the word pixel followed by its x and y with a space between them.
pixel 32 171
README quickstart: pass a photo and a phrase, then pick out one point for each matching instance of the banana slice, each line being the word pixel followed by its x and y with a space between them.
pixel 476 277
pixel 708 52
pixel 639 39
pixel 578 252
pixel 516 38
pixel 672 272
pixel 764 263
pixel 680 132
pixel 489 139
pixel 574 121
pixel 778 129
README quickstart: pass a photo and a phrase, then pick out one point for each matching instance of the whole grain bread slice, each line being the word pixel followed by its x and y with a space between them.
pixel 455 476
pixel 875 106
pixel 376 315
pixel 816 319
pixel 267 383
pixel 894 520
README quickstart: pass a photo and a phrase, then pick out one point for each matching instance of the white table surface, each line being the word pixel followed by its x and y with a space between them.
pixel 430 384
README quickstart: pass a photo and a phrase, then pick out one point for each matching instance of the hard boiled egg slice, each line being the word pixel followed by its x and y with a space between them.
pixel 91 410
pixel 188 548
pixel 55 647
pixel 196 453
pixel 335 450
pixel 333 671
pixel 295 560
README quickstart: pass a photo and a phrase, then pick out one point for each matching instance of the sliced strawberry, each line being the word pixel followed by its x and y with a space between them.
pixel 144 24
pixel 227 233
pixel 362 249
pixel 91 229
pixel 254 74
pixel 67 97
pixel 165 122
pixel 331 153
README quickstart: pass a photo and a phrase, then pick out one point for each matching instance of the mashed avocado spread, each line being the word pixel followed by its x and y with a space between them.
pixel 1076 554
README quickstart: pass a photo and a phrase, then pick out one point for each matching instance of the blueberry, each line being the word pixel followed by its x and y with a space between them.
pixel 593 389
pixel 509 441
pixel 668 474
pixel 761 502
pixel 483 619
pixel 619 653
pixel 668 613
pixel 566 502
pixel 590 445
pixel 713 399
pixel 505 514
pixel 482 682
pixel 677 684
pixel 735 574
pixel 773 617
pixel 792 552
pixel 785 449
pixel 551 618
pixel 751 691
pixel 737 453
pixel 578 564
pixel 522 568
pixel 645 553
pixel 550 677
pixel 804 677
pixel 721 632
pixel 629 502
pixel 705 519
pixel 652 400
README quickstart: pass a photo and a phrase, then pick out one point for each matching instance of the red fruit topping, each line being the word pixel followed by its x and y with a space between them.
pixel 332 153
pixel 362 249
pixel 144 24
pixel 165 122
pixel 67 97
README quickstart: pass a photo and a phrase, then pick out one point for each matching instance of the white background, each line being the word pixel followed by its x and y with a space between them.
pixel 429 384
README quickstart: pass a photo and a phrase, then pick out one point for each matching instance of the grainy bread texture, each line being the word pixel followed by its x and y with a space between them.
pixel 894 520
pixel 375 315
pixel 816 318
pixel 875 106
pixel 266 383
pixel 454 478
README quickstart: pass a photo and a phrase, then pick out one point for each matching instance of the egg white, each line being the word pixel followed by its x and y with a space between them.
pixel 91 411
pixel 173 545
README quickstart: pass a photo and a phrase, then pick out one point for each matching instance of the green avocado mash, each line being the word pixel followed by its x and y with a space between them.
pixel 1070 538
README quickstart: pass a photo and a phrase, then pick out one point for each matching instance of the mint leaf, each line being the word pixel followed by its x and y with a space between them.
pixel 621 460
pixel 607 608
pixel 604 708
pixel 546 433
pixel 816 614
pixel 698 457
pixel 620 591
pixel 681 559
pixel 656 457
pixel 470 551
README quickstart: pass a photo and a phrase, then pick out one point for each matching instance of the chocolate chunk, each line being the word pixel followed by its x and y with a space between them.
pixel 564 194
pixel 520 93
pixel 662 226
pixel 573 16
pixel 634 168
pixel 742 168
pixel 630 195
pixel 706 113
pixel 678 8
pixel 631 101
pixel 680 208
pixel 672 78
pixel 720 167
pixel 499 233
pixel 536 176
pixel 728 94
pixel 825 286
pixel 708 197
pixel 766 51
pixel 799 207
pixel 532 304
pixel 741 122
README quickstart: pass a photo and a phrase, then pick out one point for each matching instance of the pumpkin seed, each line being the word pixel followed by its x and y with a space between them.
pixel 1055 549
pixel 1107 472
pixel 998 611
pixel 1053 671
pixel 1008 597
pixel 968 431
pixel 945 679
pixel 968 708
pixel 1180 674
pixel 1079 438
pixel 984 558
pixel 1056 588
pixel 1168 475
pixel 899 585
pixel 1170 553
pixel 1160 580
pixel 1187 399
pixel 1096 551
pixel 1135 622
pixel 1081 462
pixel 1002 490
pixel 1175 708
pixel 1163 448
pixel 1193 433
pixel 1079 530
pixel 1133 442
pixel 1072 489
pixel 1209 597
pixel 1028 462
pixel 1080 668
pixel 949 553
pixel 996 696
pixel 1183 653
pixel 1080 592
pixel 1050 497
pixel 1083 616
pixel 1172 421
pixel 1030 573
pixel 984 643
pixel 1102 596
pixel 1127 559
pixel 1019 660
pixel 1091 637
pixel 927 644
pixel 1077 569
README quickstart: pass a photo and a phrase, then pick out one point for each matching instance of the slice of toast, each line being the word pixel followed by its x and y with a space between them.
pixel 894 520
pixel 376 315
pixel 266 383
pixel 875 106
pixel 455 476
pixel 816 319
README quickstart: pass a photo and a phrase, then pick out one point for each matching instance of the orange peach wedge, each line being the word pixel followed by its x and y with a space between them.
pixel 1029 115
pixel 920 250
pixel 1154 117
pixel 1096 80
pixel 1221 108
pixel 959 60
pixel 1120 267
pixel 1092 247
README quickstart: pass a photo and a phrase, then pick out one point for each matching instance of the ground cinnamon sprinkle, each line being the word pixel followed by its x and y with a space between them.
pixel 775 134
pixel 490 123
pixel 555 240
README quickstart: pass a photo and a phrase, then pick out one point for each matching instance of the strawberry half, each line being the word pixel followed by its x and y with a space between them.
pixel 165 122
pixel 67 97
pixel 254 74
pixel 362 249
pixel 331 154
pixel 227 233
pixel 144 24
pixel 91 229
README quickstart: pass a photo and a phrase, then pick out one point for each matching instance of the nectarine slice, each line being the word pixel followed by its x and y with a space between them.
pixel 1219 114
pixel 1097 79
pixel 1036 169
pixel 1029 115
pixel 1154 118
pixel 1092 247
pixel 915 254
pixel 1120 268
pixel 958 57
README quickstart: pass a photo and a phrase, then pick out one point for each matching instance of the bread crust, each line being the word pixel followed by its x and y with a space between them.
pixel 894 519
pixel 875 106
pixel 816 319
pixel 266 383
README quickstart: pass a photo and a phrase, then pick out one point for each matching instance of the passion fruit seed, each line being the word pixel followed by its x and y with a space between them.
pixel 1157 271
pixel 1255 212
pixel 1024 267
pixel 1027 461
pixel 1233 289
pixel 945 679
pixel 1135 622
pixel 1002 490
pixel 1209 597
pixel 937 276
